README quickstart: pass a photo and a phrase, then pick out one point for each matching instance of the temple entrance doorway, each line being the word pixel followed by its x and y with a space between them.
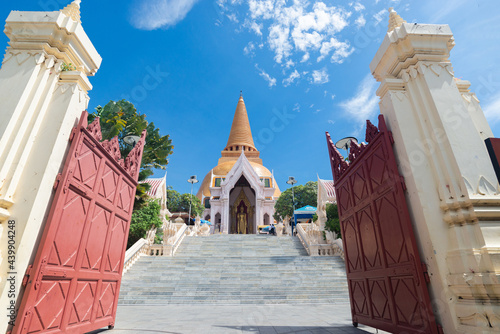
pixel 242 208
pixel 217 223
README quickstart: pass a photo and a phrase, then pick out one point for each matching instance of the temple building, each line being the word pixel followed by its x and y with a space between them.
pixel 239 193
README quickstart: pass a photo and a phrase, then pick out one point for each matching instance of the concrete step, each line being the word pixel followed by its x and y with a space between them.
pixel 236 269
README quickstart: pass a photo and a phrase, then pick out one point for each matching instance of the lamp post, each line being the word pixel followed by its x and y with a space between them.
pixel 191 180
pixel 131 139
pixel 292 181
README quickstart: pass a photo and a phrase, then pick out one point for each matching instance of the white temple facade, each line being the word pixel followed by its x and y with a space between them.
pixel 239 193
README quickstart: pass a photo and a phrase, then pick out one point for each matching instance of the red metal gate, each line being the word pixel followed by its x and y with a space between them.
pixel 73 284
pixel 493 145
pixel 387 280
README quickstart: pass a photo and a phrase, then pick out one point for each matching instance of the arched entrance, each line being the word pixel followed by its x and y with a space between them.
pixel 242 208
pixel 266 219
pixel 217 223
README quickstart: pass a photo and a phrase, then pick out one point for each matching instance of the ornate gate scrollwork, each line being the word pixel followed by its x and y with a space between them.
pixel 386 278
pixel 73 284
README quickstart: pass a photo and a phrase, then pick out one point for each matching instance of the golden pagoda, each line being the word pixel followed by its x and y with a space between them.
pixel 239 182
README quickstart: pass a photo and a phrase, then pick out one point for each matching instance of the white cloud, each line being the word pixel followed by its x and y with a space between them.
pixel 492 109
pixel 360 21
pixel 291 27
pixel 233 17
pixel 155 14
pixel 358 7
pixel 279 43
pixel 380 15
pixel 320 76
pixel 364 104
pixel 288 81
pixel 249 49
pixel 270 80
pixel 342 50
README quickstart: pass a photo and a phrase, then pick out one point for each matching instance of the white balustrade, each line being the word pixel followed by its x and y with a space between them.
pixel 312 239
pixel 133 253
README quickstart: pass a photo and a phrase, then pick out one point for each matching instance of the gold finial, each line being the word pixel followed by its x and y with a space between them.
pixel 395 21
pixel 73 10
pixel 241 134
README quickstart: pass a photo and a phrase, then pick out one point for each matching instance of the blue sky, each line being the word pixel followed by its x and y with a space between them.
pixel 303 67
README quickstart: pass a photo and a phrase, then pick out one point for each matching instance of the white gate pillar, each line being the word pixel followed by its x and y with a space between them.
pixel 41 102
pixel 452 191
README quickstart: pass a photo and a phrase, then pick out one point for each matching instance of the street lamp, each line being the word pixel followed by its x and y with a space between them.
pixel 292 181
pixel 131 139
pixel 191 180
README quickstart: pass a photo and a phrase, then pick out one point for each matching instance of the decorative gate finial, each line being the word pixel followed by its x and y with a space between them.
pixel 395 21
pixel 339 165
pixel 73 10
pixel 371 131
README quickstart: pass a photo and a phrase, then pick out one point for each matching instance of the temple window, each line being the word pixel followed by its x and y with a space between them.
pixel 267 182
pixel 217 182
pixel 207 202
pixel 237 147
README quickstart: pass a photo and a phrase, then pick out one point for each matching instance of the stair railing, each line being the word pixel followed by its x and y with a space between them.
pixel 132 254
pixel 171 247
pixel 311 238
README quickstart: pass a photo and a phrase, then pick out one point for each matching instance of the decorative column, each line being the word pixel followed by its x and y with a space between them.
pixel 42 99
pixel 452 191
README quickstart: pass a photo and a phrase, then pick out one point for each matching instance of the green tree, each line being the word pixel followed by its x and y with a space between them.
pixel 173 199
pixel 121 119
pixel 177 202
pixel 332 215
pixel 142 221
pixel 304 195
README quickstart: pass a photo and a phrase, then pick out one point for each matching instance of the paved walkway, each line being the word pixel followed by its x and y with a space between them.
pixel 206 319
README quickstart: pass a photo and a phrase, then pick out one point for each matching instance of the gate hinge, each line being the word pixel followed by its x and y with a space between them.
pixel 56 182
pixel 391 138
pixel 27 275
pixel 440 329
pixel 73 133
pixel 403 183
pixel 426 273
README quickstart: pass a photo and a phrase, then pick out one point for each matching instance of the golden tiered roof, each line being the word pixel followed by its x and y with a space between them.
pixel 241 134
pixel 240 139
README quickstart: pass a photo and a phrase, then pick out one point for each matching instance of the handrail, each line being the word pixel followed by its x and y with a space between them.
pixel 303 237
pixel 319 249
pixel 179 237
pixel 133 253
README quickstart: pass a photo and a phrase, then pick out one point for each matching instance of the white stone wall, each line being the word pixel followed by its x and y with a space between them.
pixel 452 191
pixel 40 106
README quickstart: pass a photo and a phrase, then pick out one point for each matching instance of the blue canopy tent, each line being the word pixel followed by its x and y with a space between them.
pixel 304 214
pixel 202 221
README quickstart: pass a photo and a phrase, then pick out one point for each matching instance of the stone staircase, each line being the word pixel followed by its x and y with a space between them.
pixel 236 269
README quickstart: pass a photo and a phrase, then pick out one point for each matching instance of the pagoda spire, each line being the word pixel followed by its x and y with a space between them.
pixel 73 10
pixel 395 21
pixel 241 134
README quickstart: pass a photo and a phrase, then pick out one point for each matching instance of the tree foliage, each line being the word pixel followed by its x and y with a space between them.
pixel 142 220
pixel 121 119
pixel 332 215
pixel 177 202
pixel 304 195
